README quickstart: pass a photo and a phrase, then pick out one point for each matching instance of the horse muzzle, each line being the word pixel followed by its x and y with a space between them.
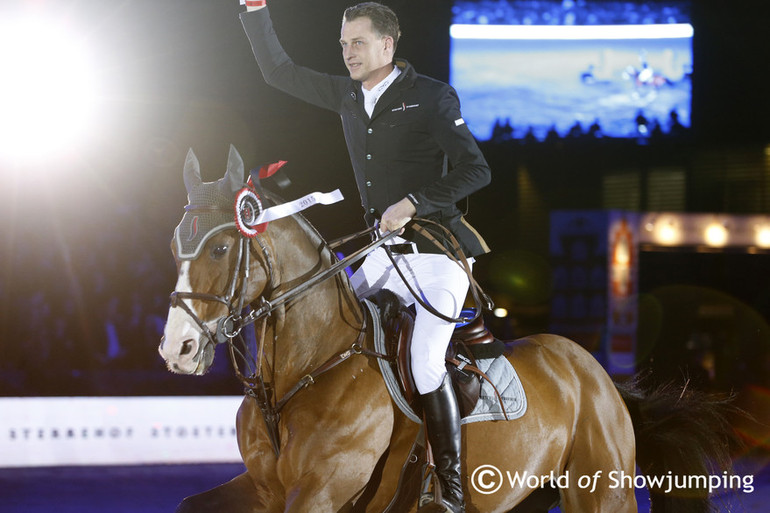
pixel 186 350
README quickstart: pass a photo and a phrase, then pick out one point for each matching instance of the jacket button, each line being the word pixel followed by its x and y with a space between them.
pixel 368 183
pixel 368 156
pixel 369 131
pixel 371 210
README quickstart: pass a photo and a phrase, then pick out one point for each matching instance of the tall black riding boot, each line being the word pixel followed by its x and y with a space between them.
pixel 442 421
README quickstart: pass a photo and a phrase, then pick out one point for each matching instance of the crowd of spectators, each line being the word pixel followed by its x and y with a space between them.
pixel 566 12
pixel 646 130
pixel 85 306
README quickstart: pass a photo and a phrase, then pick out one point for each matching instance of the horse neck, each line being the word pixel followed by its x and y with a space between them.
pixel 326 319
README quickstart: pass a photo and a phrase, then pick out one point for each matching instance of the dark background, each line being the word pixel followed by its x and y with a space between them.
pixel 85 249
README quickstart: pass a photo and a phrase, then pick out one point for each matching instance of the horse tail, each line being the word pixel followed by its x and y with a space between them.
pixel 682 437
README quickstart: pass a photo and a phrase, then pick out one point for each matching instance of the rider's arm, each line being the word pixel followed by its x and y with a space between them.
pixel 280 71
pixel 468 171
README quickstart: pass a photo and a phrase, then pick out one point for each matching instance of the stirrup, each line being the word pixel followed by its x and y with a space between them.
pixel 430 477
pixel 428 503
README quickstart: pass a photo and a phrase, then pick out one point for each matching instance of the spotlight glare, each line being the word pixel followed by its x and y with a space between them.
pixel 500 312
pixel 48 89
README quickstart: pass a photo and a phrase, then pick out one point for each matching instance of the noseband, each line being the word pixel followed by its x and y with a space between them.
pixel 230 326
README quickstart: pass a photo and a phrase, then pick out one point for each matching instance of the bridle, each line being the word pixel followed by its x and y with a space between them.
pixel 229 328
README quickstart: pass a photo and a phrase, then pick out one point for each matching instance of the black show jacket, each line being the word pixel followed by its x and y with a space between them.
pixel 403 149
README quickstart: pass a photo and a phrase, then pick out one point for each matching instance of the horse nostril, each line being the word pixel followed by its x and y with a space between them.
pixel 186 347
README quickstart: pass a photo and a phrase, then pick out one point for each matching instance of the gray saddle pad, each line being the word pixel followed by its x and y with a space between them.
pixel 499 370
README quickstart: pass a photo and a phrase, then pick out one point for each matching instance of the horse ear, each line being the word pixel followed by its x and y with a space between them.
pixel 192 171
pixel 234 174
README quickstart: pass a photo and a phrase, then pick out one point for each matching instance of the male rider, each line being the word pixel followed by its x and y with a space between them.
pixel 413 156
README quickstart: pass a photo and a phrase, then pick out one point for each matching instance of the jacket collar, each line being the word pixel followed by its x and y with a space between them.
pixel 404 81
pixel 408 74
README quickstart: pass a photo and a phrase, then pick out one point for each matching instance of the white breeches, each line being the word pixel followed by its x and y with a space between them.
pixel 442 284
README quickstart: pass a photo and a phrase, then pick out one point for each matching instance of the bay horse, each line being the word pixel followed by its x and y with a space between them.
pixel 340 442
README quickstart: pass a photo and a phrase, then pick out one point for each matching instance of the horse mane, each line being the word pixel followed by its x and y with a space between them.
pixel 326 254
pixel 315 236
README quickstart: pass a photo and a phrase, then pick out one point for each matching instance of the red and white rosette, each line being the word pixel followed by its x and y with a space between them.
pixel 248 208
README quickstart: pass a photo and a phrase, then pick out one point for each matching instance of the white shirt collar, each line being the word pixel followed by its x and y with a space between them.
pixel 371 96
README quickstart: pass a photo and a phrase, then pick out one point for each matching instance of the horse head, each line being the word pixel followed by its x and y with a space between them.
pixel 209 253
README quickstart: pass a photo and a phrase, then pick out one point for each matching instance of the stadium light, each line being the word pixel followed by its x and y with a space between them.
pixel 48 91
pixel 716 234
pixel 763 236
pixel 572 32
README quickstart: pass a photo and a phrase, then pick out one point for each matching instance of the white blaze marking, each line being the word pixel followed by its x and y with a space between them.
pixel 179 325
pixel 183 283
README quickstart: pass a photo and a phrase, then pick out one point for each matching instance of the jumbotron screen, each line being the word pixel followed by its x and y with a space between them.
pixel 532 69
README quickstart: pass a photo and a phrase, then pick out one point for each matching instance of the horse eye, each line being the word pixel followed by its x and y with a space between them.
pixel 219 251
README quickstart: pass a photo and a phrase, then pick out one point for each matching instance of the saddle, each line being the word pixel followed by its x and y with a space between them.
pixel 468 343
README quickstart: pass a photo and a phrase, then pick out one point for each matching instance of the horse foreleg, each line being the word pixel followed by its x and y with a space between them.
pixel 238 495
pixel 330 452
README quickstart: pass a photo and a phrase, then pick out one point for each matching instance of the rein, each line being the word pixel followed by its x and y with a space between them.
pixel 459 258
pixel 230 327
pixel 271 305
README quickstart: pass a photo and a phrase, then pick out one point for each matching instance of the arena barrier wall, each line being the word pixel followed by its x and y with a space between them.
pixel 62 431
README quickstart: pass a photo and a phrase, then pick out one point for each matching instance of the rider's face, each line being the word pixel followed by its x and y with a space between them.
pixel 368 55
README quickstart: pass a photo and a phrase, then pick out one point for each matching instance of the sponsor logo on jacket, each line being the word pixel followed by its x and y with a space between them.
pixel 404 106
